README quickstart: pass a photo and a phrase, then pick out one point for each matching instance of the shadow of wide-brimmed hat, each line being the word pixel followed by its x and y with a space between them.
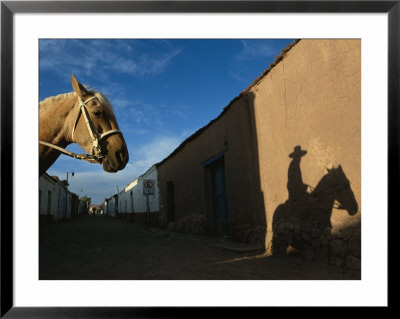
pixel 298 152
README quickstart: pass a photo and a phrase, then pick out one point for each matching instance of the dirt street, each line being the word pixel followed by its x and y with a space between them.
pixel 100 247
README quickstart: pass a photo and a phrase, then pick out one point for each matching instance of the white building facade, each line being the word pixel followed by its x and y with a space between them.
pixel 55 201
pixel 132 199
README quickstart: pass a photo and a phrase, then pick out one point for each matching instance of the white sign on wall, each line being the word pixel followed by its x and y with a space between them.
pixel 148 187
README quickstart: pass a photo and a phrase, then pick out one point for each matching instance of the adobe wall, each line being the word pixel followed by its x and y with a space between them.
pixel 312 98
pixel 234 133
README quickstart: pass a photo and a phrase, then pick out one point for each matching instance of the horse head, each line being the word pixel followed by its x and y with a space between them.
pixel 95 128
pixel 341 189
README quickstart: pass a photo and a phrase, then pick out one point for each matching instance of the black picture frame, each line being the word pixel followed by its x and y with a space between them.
pixel 9 8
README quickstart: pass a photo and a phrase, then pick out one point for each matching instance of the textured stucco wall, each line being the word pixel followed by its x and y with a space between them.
pixel 234 133
pixel 311 98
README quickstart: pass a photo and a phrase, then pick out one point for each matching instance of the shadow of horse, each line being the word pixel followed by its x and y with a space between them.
pixel 298 222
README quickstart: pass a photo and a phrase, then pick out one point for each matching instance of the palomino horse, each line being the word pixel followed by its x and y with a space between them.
pixel 312 211
pixel 85 117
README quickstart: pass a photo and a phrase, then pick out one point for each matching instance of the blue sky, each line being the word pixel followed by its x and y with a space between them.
pixel 162 91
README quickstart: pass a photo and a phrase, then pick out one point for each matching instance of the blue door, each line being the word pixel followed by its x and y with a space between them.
pixel 217 171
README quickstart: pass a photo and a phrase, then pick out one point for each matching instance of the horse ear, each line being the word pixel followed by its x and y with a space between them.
pixel 79 89
pixel 330 167
pixel 340 167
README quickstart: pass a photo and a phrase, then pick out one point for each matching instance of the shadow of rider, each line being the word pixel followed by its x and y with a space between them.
pixel 296 188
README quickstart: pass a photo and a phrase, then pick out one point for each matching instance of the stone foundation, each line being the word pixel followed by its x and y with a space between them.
pixel 191 223
pixel 199 225
pixel 341 248
pixel 249 234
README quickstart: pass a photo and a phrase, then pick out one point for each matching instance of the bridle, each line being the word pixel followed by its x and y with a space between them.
pixel 97 154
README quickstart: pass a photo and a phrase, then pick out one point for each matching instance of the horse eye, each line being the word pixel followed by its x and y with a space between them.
pixel 97 113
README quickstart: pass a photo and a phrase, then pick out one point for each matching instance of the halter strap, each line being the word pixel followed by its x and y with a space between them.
pixel 82 108
pixel 84 157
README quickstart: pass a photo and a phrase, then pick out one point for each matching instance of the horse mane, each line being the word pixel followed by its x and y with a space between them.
pixel 60 97
pixel 326 178
pixel 335 172
pixel 50 100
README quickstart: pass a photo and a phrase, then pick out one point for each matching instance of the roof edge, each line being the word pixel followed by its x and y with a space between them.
pixel 278 59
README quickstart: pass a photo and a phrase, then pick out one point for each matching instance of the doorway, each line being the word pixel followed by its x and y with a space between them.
pixel 219 200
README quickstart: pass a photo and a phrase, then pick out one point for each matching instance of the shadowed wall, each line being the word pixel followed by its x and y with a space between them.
pixel 310 97
pixel 230 138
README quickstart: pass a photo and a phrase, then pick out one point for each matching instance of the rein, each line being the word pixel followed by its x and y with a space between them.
pixel 96 155
pixel 336 204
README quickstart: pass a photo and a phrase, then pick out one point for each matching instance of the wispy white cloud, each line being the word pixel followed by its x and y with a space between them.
pixel 154 152
pixel 178 110
pixel 98 57
pixel 122 103
pixel 155 65
pixel 143 115
pixel 124 65
pixel 96 183
pixel 237 77
pixel 144 64
pixel 138 116
pixel 255 48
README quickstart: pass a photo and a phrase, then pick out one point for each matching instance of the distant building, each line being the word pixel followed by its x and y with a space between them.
pixel 111 206
pixel 55 201
pixel 132 203
pixel 96 210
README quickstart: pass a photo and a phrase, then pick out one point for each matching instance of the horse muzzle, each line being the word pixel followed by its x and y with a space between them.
pixel 115 159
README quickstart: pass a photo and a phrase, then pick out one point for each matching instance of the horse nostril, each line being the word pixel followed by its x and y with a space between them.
pixel 120 157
